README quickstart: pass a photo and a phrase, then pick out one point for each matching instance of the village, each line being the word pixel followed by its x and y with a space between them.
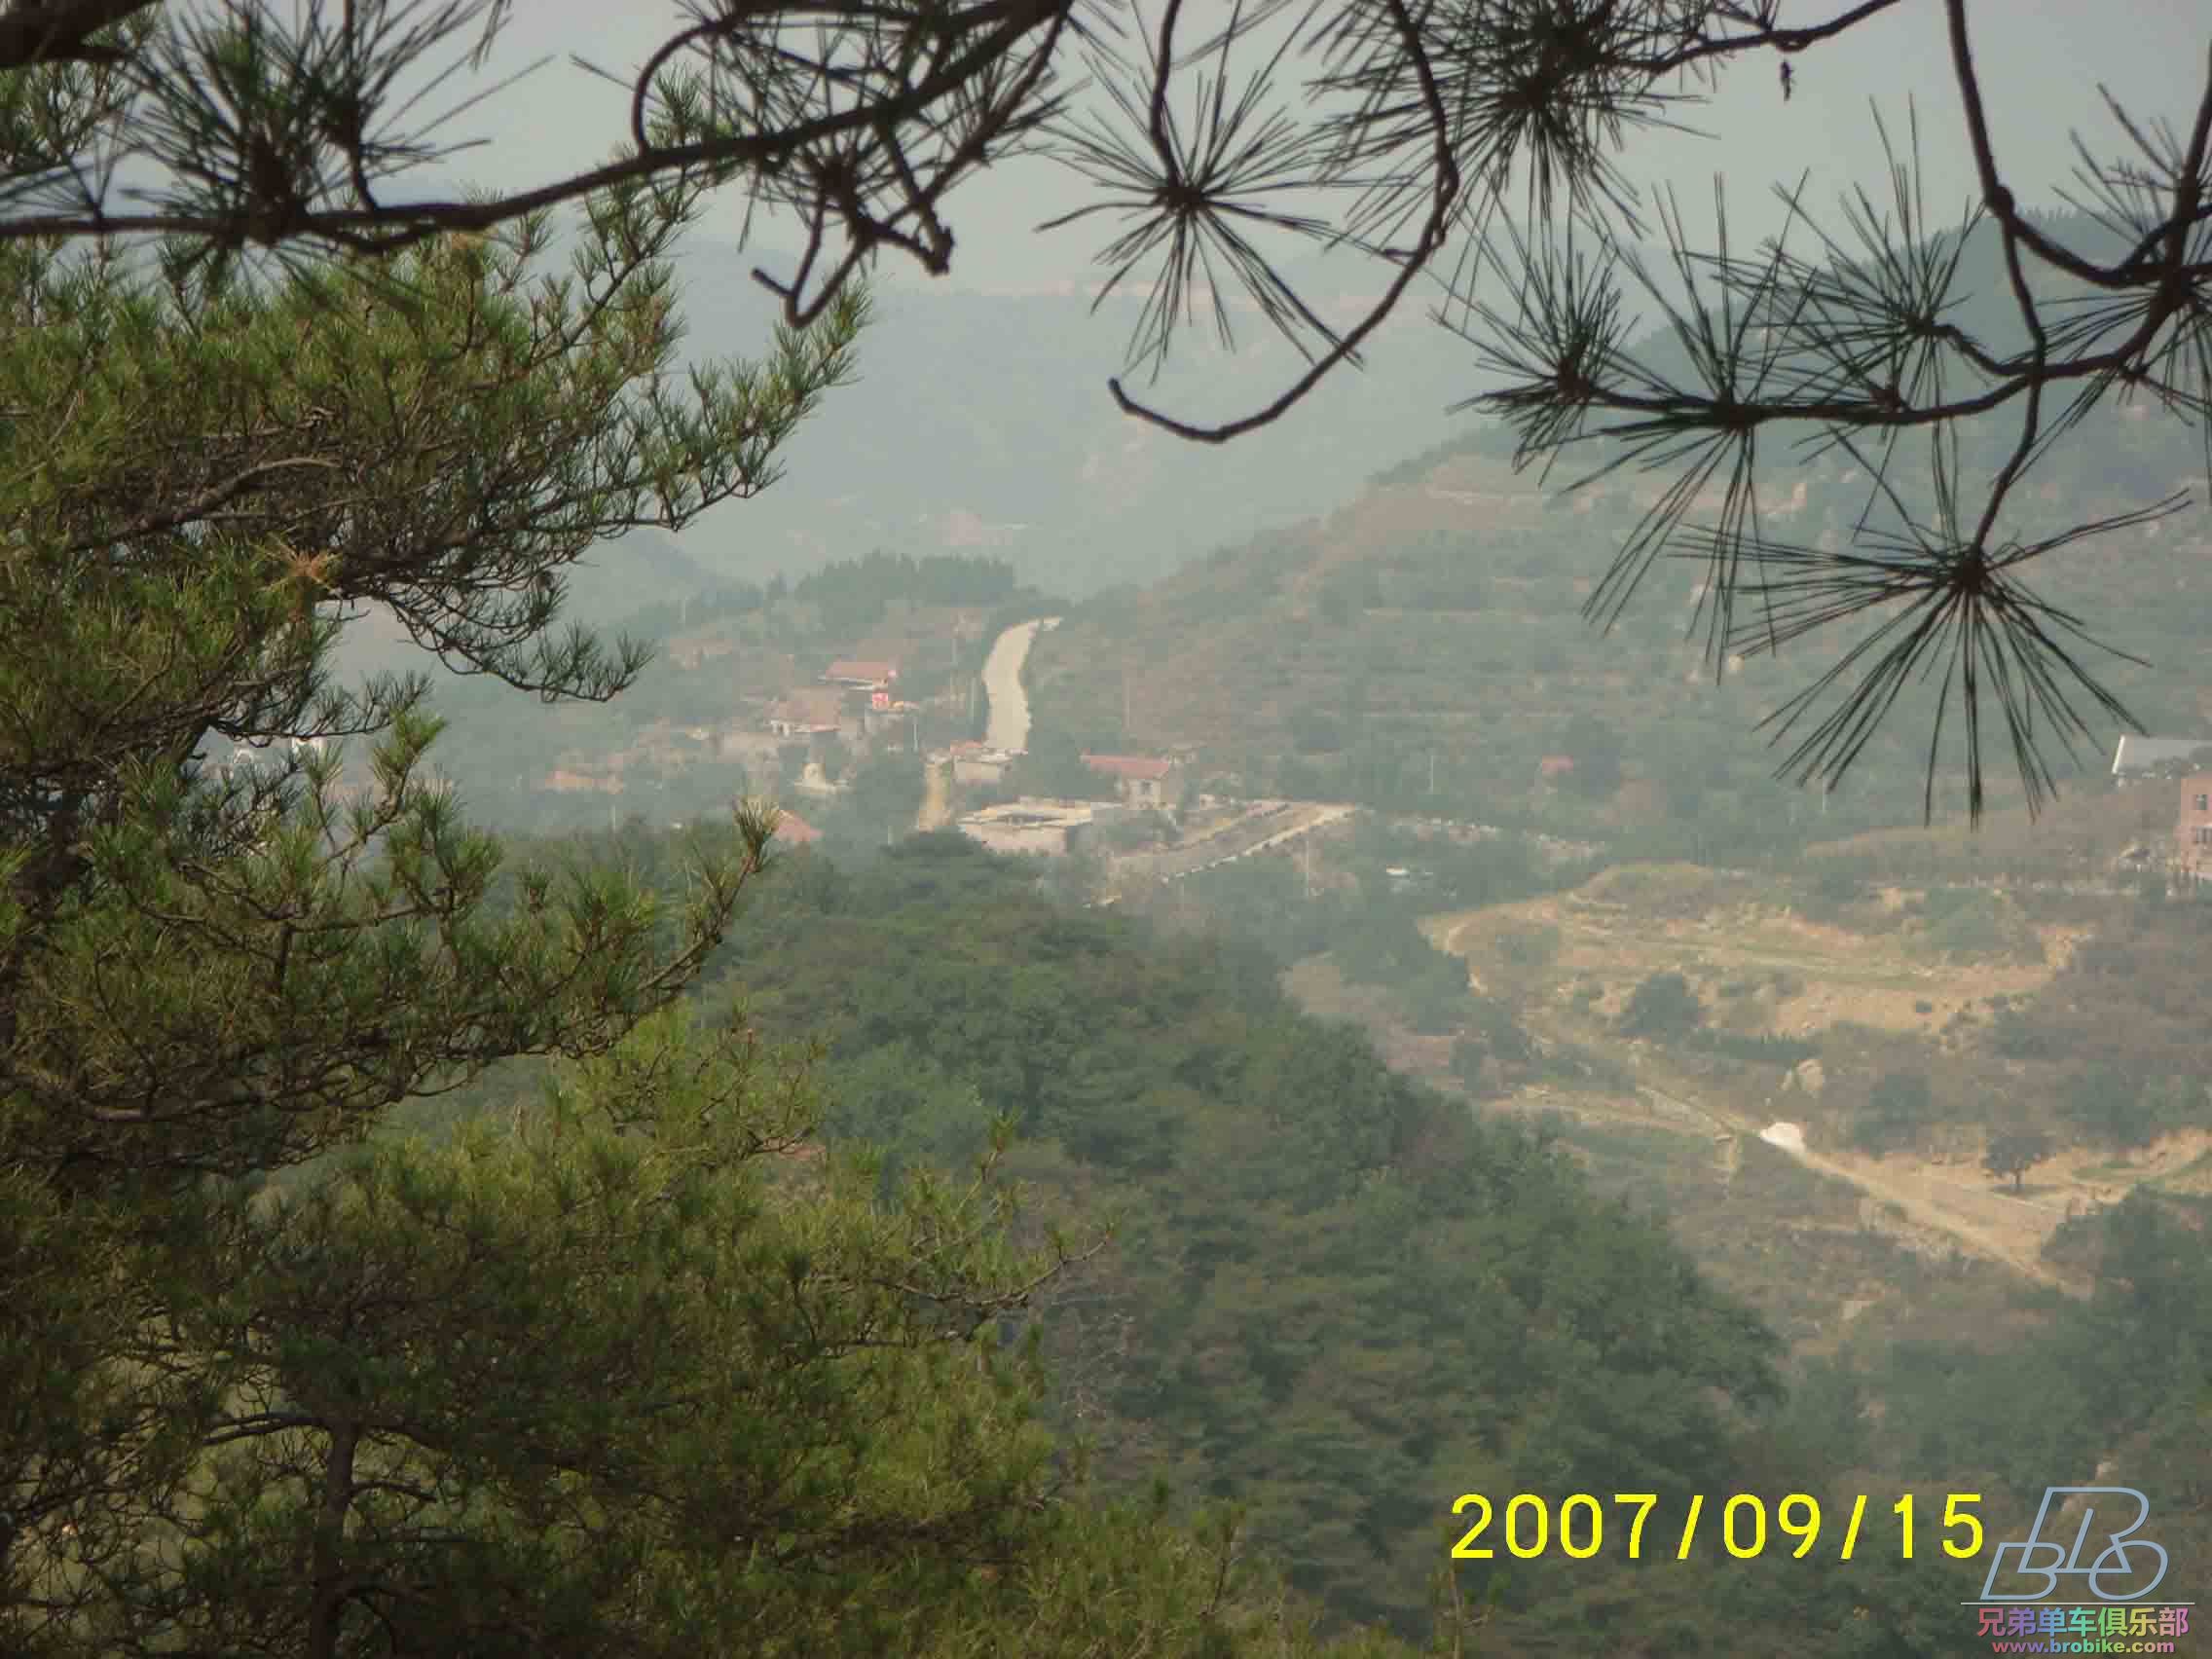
pixel 803 727
pixel 855 707
pixel 858 706
pixel 1145 814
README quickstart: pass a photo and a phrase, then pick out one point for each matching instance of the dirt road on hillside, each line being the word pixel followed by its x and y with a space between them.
pixel 1996 1227
pixel 1926 1203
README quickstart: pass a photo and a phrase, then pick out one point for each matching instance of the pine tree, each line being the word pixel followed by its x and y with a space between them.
pixel 636 1370
pixel 225 948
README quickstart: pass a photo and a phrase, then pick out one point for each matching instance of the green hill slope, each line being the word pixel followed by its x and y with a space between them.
pixel 1316 1259
pixel 1423 646
pixel 1338 1299
pixel 1435 625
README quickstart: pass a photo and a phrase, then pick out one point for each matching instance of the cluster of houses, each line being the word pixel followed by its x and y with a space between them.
pixel 856 701
pixel 2184 764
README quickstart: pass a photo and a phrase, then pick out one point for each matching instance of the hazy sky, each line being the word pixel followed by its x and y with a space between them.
pixel 2042 61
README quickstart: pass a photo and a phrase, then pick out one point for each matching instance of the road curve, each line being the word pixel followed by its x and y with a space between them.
pixel 1008 704
pixel 1309 817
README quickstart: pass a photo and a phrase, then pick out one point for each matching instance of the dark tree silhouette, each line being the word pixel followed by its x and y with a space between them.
pixel 2015 1154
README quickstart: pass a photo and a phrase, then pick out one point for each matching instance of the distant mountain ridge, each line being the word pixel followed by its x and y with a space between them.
pixel 981 419
pixel 1031 463
pixel 1423 648
pixel 1030 459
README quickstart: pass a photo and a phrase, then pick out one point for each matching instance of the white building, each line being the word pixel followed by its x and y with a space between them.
pixel 1050 827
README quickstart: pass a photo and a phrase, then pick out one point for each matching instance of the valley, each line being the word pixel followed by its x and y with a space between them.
pixel 716 940
pixel 1339 844
pixel 1773 974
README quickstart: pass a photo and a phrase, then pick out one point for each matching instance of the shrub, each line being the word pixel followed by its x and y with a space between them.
pixel 1975 922
pixel 1664 1005
pixel 1478 1068
pixel 2017 1036
pixel 2015 1154
pixel 2126 1111
pixel 1898 1108
pixel 1837 886
pixel 1785 1051
pixel 1829 896
pixel 1528 948
pixel 1434 1001
pixel 1570 1062
pixel 1491 1028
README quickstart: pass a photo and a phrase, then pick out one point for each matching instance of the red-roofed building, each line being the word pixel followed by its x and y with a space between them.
pixel 793 830
pixel 812 710
pixel 860 675
pixel 1554 767
pixel 1141 780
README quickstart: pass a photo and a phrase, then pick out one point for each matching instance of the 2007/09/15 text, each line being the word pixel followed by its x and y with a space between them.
pixel 1528 1528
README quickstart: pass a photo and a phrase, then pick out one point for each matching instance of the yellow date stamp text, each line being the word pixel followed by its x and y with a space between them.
pixel 1528 1526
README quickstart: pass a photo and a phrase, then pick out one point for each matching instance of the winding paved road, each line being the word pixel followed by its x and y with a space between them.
pixel 1009 726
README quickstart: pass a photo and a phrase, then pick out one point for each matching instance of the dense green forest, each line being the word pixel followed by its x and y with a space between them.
pixel 1338 1299
pixel 633 1369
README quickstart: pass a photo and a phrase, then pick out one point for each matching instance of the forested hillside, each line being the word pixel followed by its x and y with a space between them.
pixel 1433 629
pixel 1337 1298
pixel 1315 1259
pixel 1937 1017
pixel 1424 648
pixel 1340 1297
